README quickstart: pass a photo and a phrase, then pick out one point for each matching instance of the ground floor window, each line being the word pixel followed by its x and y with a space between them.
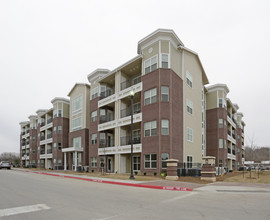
pixel 102 162
pixel 164 157
pixel 220 163
pixel 189 161
pixel 136 163
pixel 150 161
pixel 93 162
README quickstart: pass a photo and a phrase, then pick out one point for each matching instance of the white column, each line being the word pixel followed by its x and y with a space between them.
pixel 76 160
pixel 65 161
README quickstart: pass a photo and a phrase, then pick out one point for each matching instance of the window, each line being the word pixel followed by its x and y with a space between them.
pixel 165 127
pixel 165 61
pixel 60 113
pixel 102 138
pixel 136 163
pixel 54 145
pixel 150 96
pixel 220 143
pixel 93 116
pixel 54 161
pixel 59 129
pixel 77 142
pixel 225 143
pixel 220 103
pixel 77 105
pixel 150 161
pixel 220 123
pixel 55 112
pixel 94 93
pixel 164 157
pixel 189 79
pixel 150 128
pixel 189 161
pixel 59 146
pixel 93 162
pixel 76 123
pixel 164 93
pixel 190 134
pixel 54 129
pixel 189 106
pixel 33 162
pixel 94 139
pixel 220 164
pixel 150 65
pixel 59 161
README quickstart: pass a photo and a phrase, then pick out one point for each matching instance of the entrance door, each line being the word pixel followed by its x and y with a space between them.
pixel 109 164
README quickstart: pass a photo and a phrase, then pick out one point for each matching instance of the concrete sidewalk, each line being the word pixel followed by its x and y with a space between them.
pixel 163 184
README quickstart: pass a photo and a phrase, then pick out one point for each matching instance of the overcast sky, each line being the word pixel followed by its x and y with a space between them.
pixel 48 46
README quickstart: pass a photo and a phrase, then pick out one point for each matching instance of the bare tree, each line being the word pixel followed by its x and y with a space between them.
pixel 11 157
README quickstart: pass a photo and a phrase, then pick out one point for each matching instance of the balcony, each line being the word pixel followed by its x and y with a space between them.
pixel 105 118
pixel 229 132
pixel 229 150
pixel 106 143
pixel 233 135
pixel 106 93
pixel 27 131
pixel 229 114
pixel 49 136
pixel 23 133
pixel 27 142
pixel 130 83
pixel 49 151
pixel 127 140
pixel 49 120
pixel 231 157
pixel 127 111
pixel 42 124
pixel 42 151
pixel 42 138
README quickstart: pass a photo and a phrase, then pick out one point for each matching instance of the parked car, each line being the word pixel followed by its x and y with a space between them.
pixel 5 164
pixel 243 168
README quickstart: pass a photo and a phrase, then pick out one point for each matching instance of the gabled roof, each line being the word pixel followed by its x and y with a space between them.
pixel 159 34
pixel 78 84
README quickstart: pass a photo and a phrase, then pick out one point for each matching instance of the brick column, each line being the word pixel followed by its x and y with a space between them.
pixel 208 169
pixel 172 165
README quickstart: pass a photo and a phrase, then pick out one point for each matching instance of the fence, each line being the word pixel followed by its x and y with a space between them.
pixel 189 169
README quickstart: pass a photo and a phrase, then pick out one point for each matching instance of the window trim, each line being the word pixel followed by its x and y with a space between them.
pixel 151 96
pixel 189 79
pixel 189 108
pixel 189 135
pixel 95 118
pixel 150 128
pixel 163 120
pixel 79 109
pixel 150 161
pixel 151 64
pixel 167 94
pixel 161 57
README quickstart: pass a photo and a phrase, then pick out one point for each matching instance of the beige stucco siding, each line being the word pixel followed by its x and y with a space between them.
pixel 80 90
pixel 193 121
pixel 211 100
pixel 164 46
pixel 176 61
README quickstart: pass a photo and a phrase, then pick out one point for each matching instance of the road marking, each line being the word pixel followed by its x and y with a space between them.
pixel 179 197
pixel 23 209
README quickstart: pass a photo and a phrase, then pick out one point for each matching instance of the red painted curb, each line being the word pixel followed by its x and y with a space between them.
pixel 172 188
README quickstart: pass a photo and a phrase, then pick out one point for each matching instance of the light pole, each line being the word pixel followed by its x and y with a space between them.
pixel 131 135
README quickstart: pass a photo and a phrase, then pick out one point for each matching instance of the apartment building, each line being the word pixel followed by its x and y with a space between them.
pixel 225 128
pixel 170 114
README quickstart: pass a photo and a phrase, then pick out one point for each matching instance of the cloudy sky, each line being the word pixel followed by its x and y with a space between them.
pixel 47 46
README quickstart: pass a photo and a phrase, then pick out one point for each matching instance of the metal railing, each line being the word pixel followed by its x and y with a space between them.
pixel 106 118
pixel 42 151
pixel 106 143
pixel 49 135
pixel 49 151
pixel 42 124
pixel 130 82
pixel 127 111
pixel 127 140
pixel 49 120
pixel 42 138
pixel 106 93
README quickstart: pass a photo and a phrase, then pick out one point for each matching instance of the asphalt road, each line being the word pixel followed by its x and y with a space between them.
pixel 33 196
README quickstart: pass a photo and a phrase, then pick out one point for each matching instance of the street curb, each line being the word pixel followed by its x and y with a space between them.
pixel 171 188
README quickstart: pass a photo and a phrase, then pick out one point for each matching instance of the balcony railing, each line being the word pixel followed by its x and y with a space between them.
pixel 49 136
pixel 27 154
pixel 233 152
pixel 229 132
pixel 243 156
pixel 49 120
pixel 106 93
pixel 233 135
pixel 127 140
pixel 27 142
pixel 42 138
pixel 49 151
pixel 42 124
pixel 129 82
pixel 27 131
pixel 127 111
pixel 42 151
pixel 105 118
pixel 106 143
